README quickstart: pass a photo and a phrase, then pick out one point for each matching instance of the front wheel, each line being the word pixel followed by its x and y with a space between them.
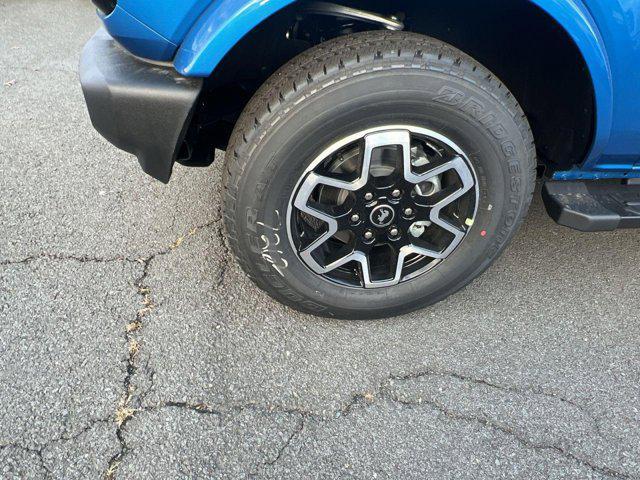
pixel 376 174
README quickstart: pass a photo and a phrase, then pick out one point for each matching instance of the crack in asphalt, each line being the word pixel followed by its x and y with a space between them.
pixel 603 470
pixel 480 381
pixel 368 399
pixel 83 258
pixel 515 390
pixel 126 412
pixel 65 257
pixel 64 437
pixel 38 452
pixel 204 409
pixel 520 439
pixel 41 449
pixel 294 434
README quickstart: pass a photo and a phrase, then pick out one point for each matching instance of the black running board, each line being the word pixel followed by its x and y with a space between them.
pixel 593 206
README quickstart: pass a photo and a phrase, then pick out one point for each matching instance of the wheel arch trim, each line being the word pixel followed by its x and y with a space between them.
pixel 225 22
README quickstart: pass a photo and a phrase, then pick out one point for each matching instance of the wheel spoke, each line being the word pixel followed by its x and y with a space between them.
pixel 434 199
pixel 466 177
pixel 302 204
pixel 445 197
pixel 457 163
pixel 390 138
pixel 427 251
pixel 395 267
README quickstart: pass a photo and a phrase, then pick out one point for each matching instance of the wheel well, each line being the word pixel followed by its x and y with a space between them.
pixel 516 40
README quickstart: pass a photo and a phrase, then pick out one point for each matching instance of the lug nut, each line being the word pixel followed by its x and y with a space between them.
pixel 394 232
pixel 396 193
pixel 408 212
pixel 355 218
pixel 368 196
pixel 368 235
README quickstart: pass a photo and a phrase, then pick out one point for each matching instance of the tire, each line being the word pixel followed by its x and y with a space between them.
pixel 360 83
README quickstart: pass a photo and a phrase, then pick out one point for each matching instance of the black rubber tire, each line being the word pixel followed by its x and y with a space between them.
pixel 348 85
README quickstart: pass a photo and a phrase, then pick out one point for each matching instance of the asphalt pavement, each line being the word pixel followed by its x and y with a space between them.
pixel 133 346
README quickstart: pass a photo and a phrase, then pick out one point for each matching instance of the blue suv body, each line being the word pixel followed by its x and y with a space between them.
pixel 169 80
pixel 195 35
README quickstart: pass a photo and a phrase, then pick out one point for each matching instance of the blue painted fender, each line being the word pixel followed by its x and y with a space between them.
pixel 225 22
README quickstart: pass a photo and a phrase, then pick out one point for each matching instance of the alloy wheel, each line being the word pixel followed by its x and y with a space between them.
pixel 383 206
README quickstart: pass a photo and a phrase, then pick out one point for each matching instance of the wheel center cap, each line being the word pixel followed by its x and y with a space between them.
pixel 382 216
